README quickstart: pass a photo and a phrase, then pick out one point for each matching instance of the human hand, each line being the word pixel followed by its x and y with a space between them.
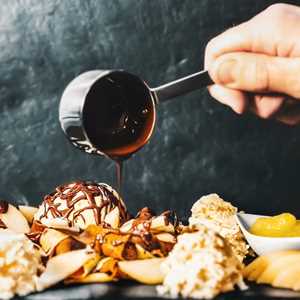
pixel 256 65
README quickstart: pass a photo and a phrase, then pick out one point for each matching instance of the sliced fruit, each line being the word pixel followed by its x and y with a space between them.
pixel 126 227
pixel 50 238
pixel 87 267
pixel 107 265
pixel 14 220
pixel 276 266
pixel 166 237
pixel 60 223
pixel 288 277
pixel 118 246
pixel 94 277
pixel 113 218
pixel 160 224
pixel 68 244
pixel 28 212
pixel 260 264
pixel 145 271
pixel 61 266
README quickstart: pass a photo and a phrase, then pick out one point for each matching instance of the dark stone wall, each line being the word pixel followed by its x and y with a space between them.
pixel 199 145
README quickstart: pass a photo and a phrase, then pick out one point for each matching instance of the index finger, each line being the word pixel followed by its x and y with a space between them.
pixel 232 40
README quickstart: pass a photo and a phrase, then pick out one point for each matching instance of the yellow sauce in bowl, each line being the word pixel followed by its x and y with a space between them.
pixel 283 225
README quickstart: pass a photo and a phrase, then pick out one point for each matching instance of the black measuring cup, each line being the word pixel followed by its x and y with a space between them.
pixel 112 112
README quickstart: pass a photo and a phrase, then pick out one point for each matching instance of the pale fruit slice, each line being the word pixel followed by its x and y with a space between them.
pixel 50 238
pixel 126 227
pixel 28 212
pixel 260 264
pixel 93 277
pixel 60 223
pixel 288 277
pixel 145 271
pixel 61 266
pixel 166 237
pixel 159 224
pixel 14 220
pixel 113 218
pixel 276 266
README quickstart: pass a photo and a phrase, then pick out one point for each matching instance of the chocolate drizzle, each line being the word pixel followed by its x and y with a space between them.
pixel 2 225
pixel 75 192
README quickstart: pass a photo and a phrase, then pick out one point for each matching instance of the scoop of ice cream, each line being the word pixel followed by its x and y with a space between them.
pixel 81 204
pixel 201 265
pixel 19 264
pixel 219 215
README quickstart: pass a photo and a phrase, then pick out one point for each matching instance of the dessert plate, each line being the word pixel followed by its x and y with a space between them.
pixel 261 244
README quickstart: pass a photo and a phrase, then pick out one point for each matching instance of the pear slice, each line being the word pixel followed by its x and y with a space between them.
pixel 276 266
pixel 50 238
pixel 159 224
pixel 14 220
pixel 166 237
pixel 60 223
pixel 113 218
pixel 28 212
pixel 62 266
pixel 92 278
pixel 288 277
pixel 146 271
pixel 126 227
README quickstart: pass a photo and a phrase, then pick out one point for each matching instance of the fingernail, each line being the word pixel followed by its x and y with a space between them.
pixel 226 71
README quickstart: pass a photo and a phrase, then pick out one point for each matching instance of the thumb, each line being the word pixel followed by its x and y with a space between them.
pixel 257 73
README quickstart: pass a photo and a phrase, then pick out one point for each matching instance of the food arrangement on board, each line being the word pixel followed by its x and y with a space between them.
pixel 83 233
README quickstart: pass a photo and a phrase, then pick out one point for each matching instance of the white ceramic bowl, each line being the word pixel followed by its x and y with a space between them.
pixel 261 244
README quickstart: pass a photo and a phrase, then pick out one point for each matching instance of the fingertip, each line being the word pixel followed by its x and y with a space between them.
pixel 236 100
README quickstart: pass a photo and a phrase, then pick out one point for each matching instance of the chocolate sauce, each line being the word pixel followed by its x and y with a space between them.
pixel 118 117
pixel 89 191
pixel 119 169
pixel 3 206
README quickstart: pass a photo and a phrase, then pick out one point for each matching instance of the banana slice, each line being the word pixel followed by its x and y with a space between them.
pixel 145 271
pixel 14 220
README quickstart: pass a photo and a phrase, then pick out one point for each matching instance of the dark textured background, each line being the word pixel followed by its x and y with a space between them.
pixel 199 146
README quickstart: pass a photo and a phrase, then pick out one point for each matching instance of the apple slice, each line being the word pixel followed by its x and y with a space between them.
pixel 145 271
pixel 28 212
pixel 14 220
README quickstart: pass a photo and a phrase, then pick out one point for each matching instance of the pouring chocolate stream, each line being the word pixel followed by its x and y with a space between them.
pixel 113 112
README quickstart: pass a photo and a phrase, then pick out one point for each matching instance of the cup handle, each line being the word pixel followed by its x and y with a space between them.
pixel 182 86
